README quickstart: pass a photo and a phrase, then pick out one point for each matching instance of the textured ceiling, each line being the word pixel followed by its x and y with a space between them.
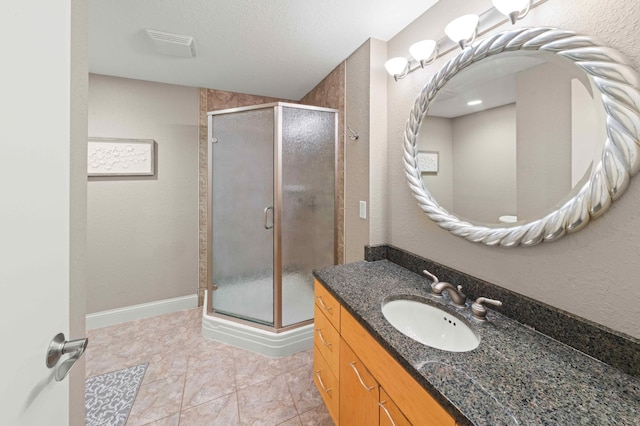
pixel 279 48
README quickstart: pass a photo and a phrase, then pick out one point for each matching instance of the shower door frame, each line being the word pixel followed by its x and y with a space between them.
pixel 277 212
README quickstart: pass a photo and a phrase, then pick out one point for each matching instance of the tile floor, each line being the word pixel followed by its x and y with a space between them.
pixel 192 380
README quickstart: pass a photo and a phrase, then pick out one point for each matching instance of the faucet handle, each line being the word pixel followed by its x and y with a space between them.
pixel 479 311
pixel 430 275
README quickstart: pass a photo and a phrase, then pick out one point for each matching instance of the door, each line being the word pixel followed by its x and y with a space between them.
pixel 242 214
pixel 42 214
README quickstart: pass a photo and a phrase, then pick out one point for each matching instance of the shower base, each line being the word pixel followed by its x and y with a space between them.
pixel 256 339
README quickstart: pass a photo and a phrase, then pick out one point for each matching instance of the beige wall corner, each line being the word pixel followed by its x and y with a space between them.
pixel 366 157
pixel 143 231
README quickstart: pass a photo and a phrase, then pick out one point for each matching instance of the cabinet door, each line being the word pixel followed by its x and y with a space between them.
pixel 358 391
pixel 390 414
pixel 416 403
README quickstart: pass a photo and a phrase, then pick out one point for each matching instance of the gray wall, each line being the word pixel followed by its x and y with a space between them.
pixel 484 164
pixel 476 179
pixel 544 151
pixel 439 137
pixel 143 232
pixel 593 273
pixel 356 153
pixel 365 158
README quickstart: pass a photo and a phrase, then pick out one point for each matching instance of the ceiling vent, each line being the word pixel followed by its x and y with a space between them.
pixel 172 44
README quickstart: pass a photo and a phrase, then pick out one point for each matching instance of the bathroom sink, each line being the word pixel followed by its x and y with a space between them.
pixel 430 326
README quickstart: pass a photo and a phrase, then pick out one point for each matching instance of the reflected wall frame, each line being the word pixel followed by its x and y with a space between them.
pixel 277 218
pixel 618 84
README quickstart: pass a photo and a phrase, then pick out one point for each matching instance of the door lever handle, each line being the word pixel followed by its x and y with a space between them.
pixel 58 347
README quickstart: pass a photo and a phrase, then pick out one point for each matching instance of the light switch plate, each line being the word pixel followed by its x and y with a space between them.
pixel 363 209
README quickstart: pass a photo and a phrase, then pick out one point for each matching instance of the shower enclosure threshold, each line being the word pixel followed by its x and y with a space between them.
pixel 256 339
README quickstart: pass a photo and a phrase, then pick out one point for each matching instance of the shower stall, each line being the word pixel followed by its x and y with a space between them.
pixel 272 220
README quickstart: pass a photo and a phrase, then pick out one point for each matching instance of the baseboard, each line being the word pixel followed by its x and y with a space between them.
pixel 144 310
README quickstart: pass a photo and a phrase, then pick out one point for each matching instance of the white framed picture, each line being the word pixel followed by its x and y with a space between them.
pixel 427 161
pixel 120 157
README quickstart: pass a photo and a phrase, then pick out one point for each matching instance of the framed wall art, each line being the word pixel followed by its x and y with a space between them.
pixel 427 161
pixel 120 157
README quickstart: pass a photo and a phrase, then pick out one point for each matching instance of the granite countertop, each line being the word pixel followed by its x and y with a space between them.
pixel 516 376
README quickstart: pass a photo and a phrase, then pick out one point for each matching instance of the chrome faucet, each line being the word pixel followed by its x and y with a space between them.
pixel 458 298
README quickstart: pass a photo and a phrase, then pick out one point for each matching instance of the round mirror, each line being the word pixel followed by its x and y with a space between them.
pixel 524 136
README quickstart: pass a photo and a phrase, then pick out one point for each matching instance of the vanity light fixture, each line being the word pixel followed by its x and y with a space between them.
pixel 463 30
pixel 459 32
pixel 474 102
pixel 513 9
pixel 425 52
pixel 398 67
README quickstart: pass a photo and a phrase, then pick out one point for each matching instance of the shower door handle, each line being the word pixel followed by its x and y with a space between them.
pixel 266 217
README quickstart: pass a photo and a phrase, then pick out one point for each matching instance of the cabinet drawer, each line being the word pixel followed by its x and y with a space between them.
pixel 327 304
pixel 416 403
pixel 327 340
pixel 327 385
pixel 390 414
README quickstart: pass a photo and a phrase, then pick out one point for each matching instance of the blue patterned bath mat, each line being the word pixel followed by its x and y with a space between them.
pixel 108 398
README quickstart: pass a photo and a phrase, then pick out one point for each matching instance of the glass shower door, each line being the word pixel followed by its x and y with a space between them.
pixel 308 161
pixel 242 164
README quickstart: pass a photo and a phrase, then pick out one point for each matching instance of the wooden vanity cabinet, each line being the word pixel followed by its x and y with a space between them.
pixel 369 382
pixel 326 350
pixel 327 384
pixel 362 400
pixel 328 305
pixel 390 414
pixel 359 391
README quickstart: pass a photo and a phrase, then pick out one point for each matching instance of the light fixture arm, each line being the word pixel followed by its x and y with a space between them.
pixel 403 74
pixel 463 29
pixel 464 43
pixel 519 14
pixel 431 60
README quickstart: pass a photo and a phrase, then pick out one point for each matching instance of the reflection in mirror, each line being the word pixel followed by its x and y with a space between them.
pixel 517 136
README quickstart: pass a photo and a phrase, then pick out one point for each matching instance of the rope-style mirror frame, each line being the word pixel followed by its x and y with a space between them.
pixel 618 84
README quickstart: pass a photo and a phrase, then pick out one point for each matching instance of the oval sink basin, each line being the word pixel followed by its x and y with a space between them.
pixel 430 326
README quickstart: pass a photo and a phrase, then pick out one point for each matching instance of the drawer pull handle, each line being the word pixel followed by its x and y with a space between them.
pixel 324 342
pixel 353 365
pixel 322 305
pixel 381 404
pixel 324 388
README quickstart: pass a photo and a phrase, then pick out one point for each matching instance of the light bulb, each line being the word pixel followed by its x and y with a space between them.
pixel 424 51
pixel 397 67
pixel 514 9
pixel 462 30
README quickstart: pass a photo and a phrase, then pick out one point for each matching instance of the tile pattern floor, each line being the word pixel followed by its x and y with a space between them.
pixel 192 380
